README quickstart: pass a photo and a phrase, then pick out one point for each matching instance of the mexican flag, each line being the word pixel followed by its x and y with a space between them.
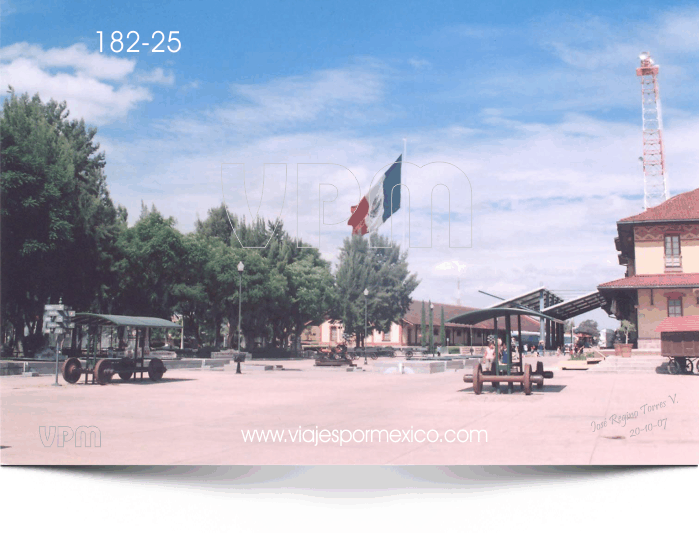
pixel 376 207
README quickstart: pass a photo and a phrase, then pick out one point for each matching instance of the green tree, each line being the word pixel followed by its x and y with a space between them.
pixel 625 328
pixel 194 292
pixel 311 291
pixel 589 327
pixel 150 266
pixel 299 290
pixel 59 225
pixel 383 270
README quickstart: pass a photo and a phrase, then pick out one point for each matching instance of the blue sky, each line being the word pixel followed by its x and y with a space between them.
pixel 537 103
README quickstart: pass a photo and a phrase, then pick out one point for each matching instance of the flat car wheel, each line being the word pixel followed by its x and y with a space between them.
pixel 103 372
pixel 527 379
pixel 156 369
pixel 687 366
pixel 126 364
pixel 477 380
pixel 673 367
pixel 72 370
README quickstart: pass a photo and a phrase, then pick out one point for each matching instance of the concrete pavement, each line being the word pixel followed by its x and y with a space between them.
pixel 196 417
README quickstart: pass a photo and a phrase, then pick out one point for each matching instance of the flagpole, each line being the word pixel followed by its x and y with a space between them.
pixel 402 179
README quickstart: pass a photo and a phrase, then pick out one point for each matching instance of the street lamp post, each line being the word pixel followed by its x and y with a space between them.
pixel 366 294
pixel 241 267
pixel 182 333
pixel 431 329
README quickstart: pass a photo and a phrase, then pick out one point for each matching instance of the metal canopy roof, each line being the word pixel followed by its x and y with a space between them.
pixel 490 313
pixel 575 307
pixel 110 320
pixel 530 299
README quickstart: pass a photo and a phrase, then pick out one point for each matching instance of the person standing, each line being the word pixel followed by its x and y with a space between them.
pixel 488 357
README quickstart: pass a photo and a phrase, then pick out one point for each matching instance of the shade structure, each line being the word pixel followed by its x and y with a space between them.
pixel 484 314
pixel 111 320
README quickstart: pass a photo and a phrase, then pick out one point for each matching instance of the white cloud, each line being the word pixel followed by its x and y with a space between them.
pixel 419 63
pixel 156 76
pixel 294 100
pixel 97 87
pixel 76 57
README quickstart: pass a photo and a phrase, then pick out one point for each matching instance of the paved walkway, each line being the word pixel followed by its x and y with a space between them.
pixel 196 417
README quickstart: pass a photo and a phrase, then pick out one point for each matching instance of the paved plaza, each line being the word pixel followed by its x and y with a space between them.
pixel 198 416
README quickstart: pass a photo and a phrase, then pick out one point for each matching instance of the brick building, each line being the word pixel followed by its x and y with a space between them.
pixel 660 249
pixel 408 331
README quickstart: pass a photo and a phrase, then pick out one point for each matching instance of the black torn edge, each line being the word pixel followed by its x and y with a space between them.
pixel 651 502
pixel 50 502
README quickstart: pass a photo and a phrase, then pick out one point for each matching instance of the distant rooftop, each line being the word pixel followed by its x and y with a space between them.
pixel 414 314
pixel 682 207
pixel 666 280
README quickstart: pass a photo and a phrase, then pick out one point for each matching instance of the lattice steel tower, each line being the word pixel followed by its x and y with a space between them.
pixel 654 175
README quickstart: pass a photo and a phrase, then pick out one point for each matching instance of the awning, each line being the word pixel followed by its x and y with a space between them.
pixel 530 299
pixel 678 324
pixel 111 320
pixel 575 307
pixel 484 314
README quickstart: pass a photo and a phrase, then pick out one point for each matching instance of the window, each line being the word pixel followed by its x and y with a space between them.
pixel 673 259
pixel 333 334
pixel 674 308
pixel 387 336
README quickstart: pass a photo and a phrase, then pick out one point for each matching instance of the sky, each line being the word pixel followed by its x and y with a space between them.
pixel 528 114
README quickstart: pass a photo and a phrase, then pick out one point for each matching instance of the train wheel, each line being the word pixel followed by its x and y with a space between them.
pixel 126 364
pixel 103 372
pixel 540 371
pixel 527 379
pixel 673 367
pixel 477 380
pixel 687 366
pixel 156 369
pixel 72 369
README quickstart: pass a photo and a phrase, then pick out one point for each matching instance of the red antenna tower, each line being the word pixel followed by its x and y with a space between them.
pixel 654 175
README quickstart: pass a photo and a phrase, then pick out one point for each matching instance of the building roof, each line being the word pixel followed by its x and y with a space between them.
pixel 530 299
pixel 682 207
pixel 111 320
pixel 575 307
pixel 413 316
pixel 477 316
pixel 667 280
pixel 680 324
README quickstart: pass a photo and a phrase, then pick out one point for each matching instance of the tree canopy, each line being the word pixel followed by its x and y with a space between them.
pixel 64 239
pixel 59 225
pixel 382 269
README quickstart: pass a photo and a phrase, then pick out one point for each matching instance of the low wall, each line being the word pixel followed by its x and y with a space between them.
pixel 418 366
